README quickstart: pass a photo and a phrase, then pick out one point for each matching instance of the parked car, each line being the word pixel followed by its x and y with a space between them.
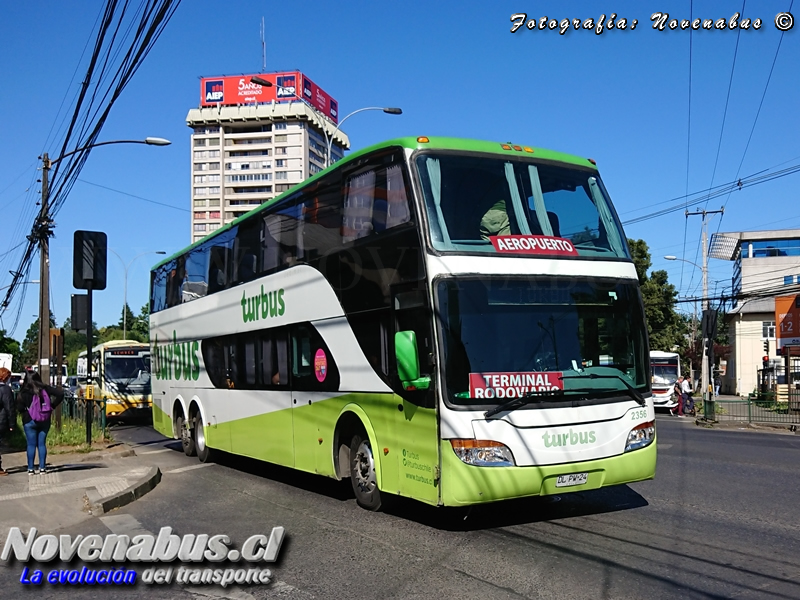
pixel 73 385
pixel 16 381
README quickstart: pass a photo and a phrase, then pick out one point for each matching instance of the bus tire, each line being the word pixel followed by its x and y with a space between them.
pixel 204 453
pixel 362 472
pixel 187 439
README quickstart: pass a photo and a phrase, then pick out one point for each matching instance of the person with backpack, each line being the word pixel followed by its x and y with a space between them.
pixel 8 413
pixel 36 402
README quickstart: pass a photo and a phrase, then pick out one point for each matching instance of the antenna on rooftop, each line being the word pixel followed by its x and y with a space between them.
pixel 263 48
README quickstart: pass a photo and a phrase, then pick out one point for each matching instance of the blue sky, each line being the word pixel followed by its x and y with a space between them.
pixel 621 97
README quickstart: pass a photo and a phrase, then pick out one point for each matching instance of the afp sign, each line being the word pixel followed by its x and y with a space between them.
pixel 286 86
pixel 214 91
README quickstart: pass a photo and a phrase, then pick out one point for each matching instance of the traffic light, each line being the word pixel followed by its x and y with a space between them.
pixel 766 361
pixel 766 346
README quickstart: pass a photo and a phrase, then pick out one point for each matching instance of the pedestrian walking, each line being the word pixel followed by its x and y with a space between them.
pixel 36 402
pixel 8 413
pixel 688 403
pixel 678 392
pixel 716 387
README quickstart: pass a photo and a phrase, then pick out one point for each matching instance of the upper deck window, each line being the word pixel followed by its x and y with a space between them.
pixel 473 202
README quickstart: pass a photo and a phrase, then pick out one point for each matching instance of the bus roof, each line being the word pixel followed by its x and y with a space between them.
pixel 118 344
pixel 411 143
pixel 660 354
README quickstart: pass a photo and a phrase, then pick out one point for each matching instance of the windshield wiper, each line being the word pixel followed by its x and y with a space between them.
pixel 630 389
pixel 527 398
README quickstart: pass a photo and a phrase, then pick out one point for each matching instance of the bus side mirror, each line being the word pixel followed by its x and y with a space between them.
pixel 405 350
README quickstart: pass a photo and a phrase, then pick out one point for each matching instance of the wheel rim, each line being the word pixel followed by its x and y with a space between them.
pixel 186 434
pixel 200 435
pixel 364 468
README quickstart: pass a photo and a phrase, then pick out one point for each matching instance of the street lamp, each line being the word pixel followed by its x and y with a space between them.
pixel 265 83
pixel 388 111
pixel 329 138
pixel 43 229
pixel 4 305
pixel 125 293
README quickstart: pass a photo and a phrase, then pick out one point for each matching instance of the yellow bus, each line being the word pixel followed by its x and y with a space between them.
pixel 121 377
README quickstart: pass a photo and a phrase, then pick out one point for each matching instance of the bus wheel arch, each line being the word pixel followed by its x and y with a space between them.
pixel 356 459
pixel 178 418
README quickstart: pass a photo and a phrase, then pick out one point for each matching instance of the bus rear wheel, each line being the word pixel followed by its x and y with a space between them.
pixel 362 473
pixel 204 453
pixel 187 440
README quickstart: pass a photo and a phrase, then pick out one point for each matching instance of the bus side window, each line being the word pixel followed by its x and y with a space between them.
pixel 313 366
pixel 322 220
pixel 371 329
pixel 246 249
pixel 274 359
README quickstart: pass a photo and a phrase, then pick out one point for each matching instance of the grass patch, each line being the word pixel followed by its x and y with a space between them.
pixel 71 438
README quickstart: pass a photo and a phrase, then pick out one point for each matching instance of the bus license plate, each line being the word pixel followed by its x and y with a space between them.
pixel 572 479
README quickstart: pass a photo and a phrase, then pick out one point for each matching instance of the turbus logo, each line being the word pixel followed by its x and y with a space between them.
pixel 262 305
pixel 214 91
pixel 573 438
pixel 176 360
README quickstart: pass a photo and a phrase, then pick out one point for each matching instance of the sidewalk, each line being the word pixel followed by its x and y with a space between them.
pixel 76 487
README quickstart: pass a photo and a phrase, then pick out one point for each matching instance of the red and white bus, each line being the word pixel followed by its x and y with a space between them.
pixel 665 368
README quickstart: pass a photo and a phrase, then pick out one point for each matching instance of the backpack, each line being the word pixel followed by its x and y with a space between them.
pixel 40 407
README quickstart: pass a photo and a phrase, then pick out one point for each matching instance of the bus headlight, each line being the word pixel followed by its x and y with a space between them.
pixel 641 436
pixel 483 453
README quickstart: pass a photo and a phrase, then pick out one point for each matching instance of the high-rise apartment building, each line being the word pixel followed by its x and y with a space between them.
pixel 252 142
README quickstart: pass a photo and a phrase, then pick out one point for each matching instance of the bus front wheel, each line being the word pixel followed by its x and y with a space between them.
pixel 187 440
pixel 362 472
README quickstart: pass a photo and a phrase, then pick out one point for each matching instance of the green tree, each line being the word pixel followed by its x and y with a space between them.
pixel 29 351
pixel 141 323
pixel 665 326
pixel 75 343
pixel 129 319
pixel 11 346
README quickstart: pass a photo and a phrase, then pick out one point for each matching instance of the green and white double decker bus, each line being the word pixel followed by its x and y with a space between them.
pixel 449 320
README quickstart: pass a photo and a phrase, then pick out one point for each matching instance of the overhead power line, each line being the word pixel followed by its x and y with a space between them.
pixel 124 39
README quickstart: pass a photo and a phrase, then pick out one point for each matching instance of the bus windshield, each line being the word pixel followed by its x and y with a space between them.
pixel 506 337
pixel 128 373
pixel 664 374
pixel 472 201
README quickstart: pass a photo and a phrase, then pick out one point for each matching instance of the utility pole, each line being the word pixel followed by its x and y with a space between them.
pixel 44 231
pixel 705 367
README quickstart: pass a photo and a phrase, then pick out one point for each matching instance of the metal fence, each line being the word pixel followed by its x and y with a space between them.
pixel 74 408
pixel 767 408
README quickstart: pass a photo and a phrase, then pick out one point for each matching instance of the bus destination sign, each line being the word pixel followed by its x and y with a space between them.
pixel 533 244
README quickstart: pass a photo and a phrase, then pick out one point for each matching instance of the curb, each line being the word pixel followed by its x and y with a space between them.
pixel 783 428
pixel 98 505
pixel 108 455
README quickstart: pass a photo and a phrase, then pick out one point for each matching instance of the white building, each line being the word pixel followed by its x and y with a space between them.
pixel 766 265
pixel 246 154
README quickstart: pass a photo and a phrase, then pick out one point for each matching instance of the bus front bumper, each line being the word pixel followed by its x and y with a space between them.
pixel 463 485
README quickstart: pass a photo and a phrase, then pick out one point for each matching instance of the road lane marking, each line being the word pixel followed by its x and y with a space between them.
pixel 124 525
pixel 189 468
pixel 156 451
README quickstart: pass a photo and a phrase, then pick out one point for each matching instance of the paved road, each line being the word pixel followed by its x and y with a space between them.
pixel 719 521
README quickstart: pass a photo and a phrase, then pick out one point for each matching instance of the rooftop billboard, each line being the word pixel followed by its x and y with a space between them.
pixel 288 86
